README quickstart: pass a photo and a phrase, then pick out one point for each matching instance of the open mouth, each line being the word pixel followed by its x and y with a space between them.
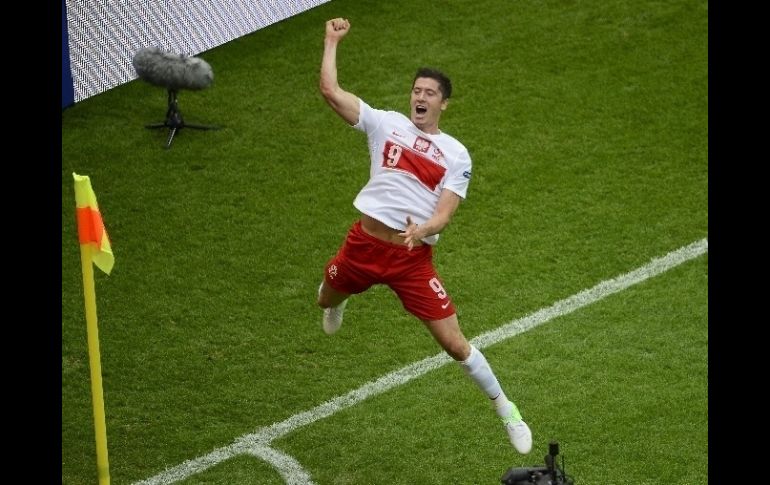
pixel 421 110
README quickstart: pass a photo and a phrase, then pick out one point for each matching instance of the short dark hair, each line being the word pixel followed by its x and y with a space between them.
pixel 444 84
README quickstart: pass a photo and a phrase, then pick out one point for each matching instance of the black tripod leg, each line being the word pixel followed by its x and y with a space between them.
pixel 174 121
pixel 171 137
pixel 201 127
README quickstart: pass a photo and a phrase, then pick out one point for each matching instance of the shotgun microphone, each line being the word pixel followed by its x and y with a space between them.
pixel 172 71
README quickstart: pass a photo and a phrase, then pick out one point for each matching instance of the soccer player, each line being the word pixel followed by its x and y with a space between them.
pixel 418 176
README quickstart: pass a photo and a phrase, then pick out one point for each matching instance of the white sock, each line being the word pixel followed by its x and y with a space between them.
pixel 477 368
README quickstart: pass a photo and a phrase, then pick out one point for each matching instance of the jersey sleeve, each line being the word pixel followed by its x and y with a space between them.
pixel 368 118
pixel 459 176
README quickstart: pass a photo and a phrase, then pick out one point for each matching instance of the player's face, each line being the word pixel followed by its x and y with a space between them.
pixel 427 103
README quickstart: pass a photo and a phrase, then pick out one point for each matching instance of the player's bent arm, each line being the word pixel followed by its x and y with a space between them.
pixel 342 102
pixel 448 202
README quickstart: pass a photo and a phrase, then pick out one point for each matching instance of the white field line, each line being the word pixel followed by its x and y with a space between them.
pixel 289 468
pixel 258 443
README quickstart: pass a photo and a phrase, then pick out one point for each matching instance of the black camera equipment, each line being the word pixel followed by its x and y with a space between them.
pixel 550 474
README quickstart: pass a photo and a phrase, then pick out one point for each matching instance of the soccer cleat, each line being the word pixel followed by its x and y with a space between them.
pixel 518 431
pixel 333 317
pixel 520 436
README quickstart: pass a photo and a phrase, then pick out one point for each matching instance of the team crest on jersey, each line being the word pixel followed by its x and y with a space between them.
pixel 421 144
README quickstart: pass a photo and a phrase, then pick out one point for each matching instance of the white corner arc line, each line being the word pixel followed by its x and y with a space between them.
pixel 257 443
pixel 289 468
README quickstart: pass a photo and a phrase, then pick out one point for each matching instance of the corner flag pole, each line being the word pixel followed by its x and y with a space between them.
pixel 95 249
pixel 94 358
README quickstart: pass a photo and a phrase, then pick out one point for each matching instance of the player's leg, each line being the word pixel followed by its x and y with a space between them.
pixel 447 333
pixel 422 293
pixel 333 303
pixel 345 274
pixel 328 297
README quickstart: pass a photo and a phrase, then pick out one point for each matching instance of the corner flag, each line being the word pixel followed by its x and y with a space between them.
pixel 90 225
pixel 94 250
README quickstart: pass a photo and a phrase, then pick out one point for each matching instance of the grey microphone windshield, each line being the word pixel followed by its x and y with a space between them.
pixel 172 71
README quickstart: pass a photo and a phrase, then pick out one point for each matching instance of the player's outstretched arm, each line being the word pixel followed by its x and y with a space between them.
pixel 341 101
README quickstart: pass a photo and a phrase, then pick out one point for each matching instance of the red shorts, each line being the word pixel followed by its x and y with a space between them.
pixel 364 260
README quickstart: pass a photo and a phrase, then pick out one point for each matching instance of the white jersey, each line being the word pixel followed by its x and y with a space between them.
pixel 409 169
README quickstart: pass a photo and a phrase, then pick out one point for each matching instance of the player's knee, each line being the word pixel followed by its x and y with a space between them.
pixel 326 300
pixel 458 350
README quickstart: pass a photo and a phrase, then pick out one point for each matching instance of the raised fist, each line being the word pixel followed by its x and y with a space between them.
pixel 337 28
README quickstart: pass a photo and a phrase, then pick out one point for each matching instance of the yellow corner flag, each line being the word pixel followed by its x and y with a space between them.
pixel 90 226
pixel 94 250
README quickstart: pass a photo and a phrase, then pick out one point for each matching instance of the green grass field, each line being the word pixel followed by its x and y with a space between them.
pixel 587 122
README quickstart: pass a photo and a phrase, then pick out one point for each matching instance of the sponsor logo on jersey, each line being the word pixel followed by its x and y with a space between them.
pixel 467 174
pixel 437 155
pixel 421 144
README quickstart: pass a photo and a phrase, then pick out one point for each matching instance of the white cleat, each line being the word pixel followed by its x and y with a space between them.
pixel 518 431
pixel 520 436
pixel 333 317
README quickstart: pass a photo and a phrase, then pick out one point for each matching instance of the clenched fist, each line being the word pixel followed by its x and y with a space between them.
pixel 337 28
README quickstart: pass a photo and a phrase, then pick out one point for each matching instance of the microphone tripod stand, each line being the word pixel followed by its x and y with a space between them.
pixel 174 120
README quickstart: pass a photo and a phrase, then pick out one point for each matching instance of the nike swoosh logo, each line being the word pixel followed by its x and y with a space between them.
pixel 445 305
